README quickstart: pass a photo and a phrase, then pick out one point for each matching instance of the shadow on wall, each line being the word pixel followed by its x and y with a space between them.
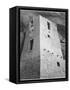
pixel 61 31
pixel 30 69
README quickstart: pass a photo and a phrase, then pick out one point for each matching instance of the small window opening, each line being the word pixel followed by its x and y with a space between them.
pixel 48 36
pixel 44 49
pixel 58 64
pixel 31 21
pixel 48 24
pixel 31 44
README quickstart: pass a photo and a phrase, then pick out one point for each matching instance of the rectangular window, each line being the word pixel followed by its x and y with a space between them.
pixel 31 44
pixel 31 21
pixel 48 24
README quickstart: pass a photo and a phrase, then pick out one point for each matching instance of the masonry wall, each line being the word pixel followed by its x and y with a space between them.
pixel 52 64
pixel 43 59
pixel 30 56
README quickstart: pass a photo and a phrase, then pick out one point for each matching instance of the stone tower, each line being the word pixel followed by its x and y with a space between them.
pixel 41 55
pixel 52 64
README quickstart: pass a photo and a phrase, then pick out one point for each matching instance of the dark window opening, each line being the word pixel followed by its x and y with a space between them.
pixel 31 44
pixel 31 21
pixel 63 53
pixel 58 64
pixel 44 49
pixel 61 41
pixel 48 24
pixel 48 36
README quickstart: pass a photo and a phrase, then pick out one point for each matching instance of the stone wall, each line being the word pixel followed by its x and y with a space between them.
pixel 52 64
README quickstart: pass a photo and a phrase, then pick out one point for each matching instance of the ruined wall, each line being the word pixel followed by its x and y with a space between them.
pixel 52 64
pixel 43 59
pixel 32 33
pixel 30 56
